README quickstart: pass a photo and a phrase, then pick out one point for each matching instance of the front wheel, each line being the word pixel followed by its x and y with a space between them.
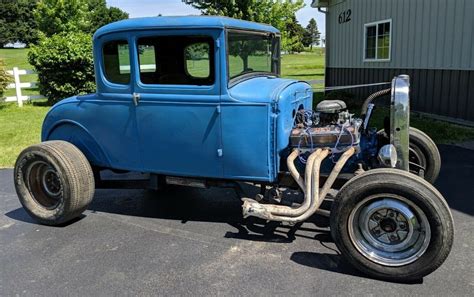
pixel 392 225
pixel 424 157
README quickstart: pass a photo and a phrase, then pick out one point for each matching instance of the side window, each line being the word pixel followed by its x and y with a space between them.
pixel 197 60
pixel 116 61
pixel 176 60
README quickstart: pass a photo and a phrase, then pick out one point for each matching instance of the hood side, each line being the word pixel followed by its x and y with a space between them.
pixel 294 97
pixel 263 89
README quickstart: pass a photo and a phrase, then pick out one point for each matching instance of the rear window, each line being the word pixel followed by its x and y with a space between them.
pixel 117 61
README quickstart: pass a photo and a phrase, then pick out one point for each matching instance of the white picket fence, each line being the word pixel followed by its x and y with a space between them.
pixel 18 85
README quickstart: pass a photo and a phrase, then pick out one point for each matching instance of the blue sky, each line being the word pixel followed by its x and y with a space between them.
pixel 142 8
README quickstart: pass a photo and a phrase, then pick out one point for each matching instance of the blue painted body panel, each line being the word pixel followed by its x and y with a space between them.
pixel 109 121
pixel 199 131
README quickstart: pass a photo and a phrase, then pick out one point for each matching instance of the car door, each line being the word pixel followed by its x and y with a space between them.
pixel 178 110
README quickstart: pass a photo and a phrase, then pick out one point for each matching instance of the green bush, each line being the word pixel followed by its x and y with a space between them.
pixel 4 78
pixel 64 64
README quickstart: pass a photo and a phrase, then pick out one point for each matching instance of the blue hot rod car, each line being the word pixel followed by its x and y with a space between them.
pixel 199 101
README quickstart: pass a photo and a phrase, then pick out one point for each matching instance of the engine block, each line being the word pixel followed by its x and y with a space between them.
pixel 328 136
pixel 331 126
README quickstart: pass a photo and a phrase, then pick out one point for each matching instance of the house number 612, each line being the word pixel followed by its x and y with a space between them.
pixel 345 16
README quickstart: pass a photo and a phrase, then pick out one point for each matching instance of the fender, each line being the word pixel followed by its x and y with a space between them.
pixel 77 134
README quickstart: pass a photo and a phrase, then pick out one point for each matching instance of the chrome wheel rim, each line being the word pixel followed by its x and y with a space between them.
pixel 389 230
pixel 44 184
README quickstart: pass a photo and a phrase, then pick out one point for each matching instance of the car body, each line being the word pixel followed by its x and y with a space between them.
pixel 199 101
pixel 183 130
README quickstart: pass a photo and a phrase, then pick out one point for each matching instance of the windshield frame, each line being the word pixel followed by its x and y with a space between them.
pixel 275 56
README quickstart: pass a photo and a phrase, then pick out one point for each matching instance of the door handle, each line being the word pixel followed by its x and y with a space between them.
pixel 136 98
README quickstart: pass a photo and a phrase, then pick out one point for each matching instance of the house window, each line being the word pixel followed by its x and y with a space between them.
pixel 378 41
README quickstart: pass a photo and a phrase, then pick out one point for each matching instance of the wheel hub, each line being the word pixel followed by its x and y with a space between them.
pixel 51 182
pixel 389 230
pixel 388 226
pixel 43 180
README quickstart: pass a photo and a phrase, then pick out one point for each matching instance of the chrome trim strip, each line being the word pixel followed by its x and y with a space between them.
pixel 400 119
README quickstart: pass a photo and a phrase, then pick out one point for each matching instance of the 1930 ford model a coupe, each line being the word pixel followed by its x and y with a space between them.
pixel 199 101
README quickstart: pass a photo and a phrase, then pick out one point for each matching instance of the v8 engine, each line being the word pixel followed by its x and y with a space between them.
pixel 330 125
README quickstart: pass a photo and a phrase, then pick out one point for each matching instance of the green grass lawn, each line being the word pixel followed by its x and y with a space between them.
pixel 19 128
pixel 304 66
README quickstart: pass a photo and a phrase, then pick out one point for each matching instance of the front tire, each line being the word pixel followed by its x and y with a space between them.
pixel 392 225
pixel 424 157
pixel 54 182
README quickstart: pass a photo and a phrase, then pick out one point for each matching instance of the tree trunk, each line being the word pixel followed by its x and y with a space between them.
pixel 245 60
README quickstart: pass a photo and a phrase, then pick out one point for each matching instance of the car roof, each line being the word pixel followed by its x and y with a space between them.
pixel 163 22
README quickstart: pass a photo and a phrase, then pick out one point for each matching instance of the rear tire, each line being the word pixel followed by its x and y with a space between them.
pixel 54 182
pixel 392 225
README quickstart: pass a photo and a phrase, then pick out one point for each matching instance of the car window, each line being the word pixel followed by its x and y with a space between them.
pixel 117 61
pixel 176 60
pixel 251 52
pixel 197 60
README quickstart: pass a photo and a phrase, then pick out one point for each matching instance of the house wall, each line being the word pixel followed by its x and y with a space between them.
pixel 432 41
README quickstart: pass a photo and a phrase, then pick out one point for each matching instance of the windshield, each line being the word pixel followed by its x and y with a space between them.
pixel 252 53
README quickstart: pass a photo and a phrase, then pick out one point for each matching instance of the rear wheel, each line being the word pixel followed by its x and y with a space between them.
pixel 392 225
pixel 54 182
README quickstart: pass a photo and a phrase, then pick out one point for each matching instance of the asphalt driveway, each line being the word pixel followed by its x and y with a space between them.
pixel 194 242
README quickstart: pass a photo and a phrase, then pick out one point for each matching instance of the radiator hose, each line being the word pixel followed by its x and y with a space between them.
pixel 372 97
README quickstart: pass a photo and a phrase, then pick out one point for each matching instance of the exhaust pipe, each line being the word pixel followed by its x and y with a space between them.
pixel 310 188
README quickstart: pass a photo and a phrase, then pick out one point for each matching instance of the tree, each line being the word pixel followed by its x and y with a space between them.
pixel 100 14
pixel 277 13
pixel 59 16
pixel 65 66
pixel 313 34
pixel 17 22
pixel 295 36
